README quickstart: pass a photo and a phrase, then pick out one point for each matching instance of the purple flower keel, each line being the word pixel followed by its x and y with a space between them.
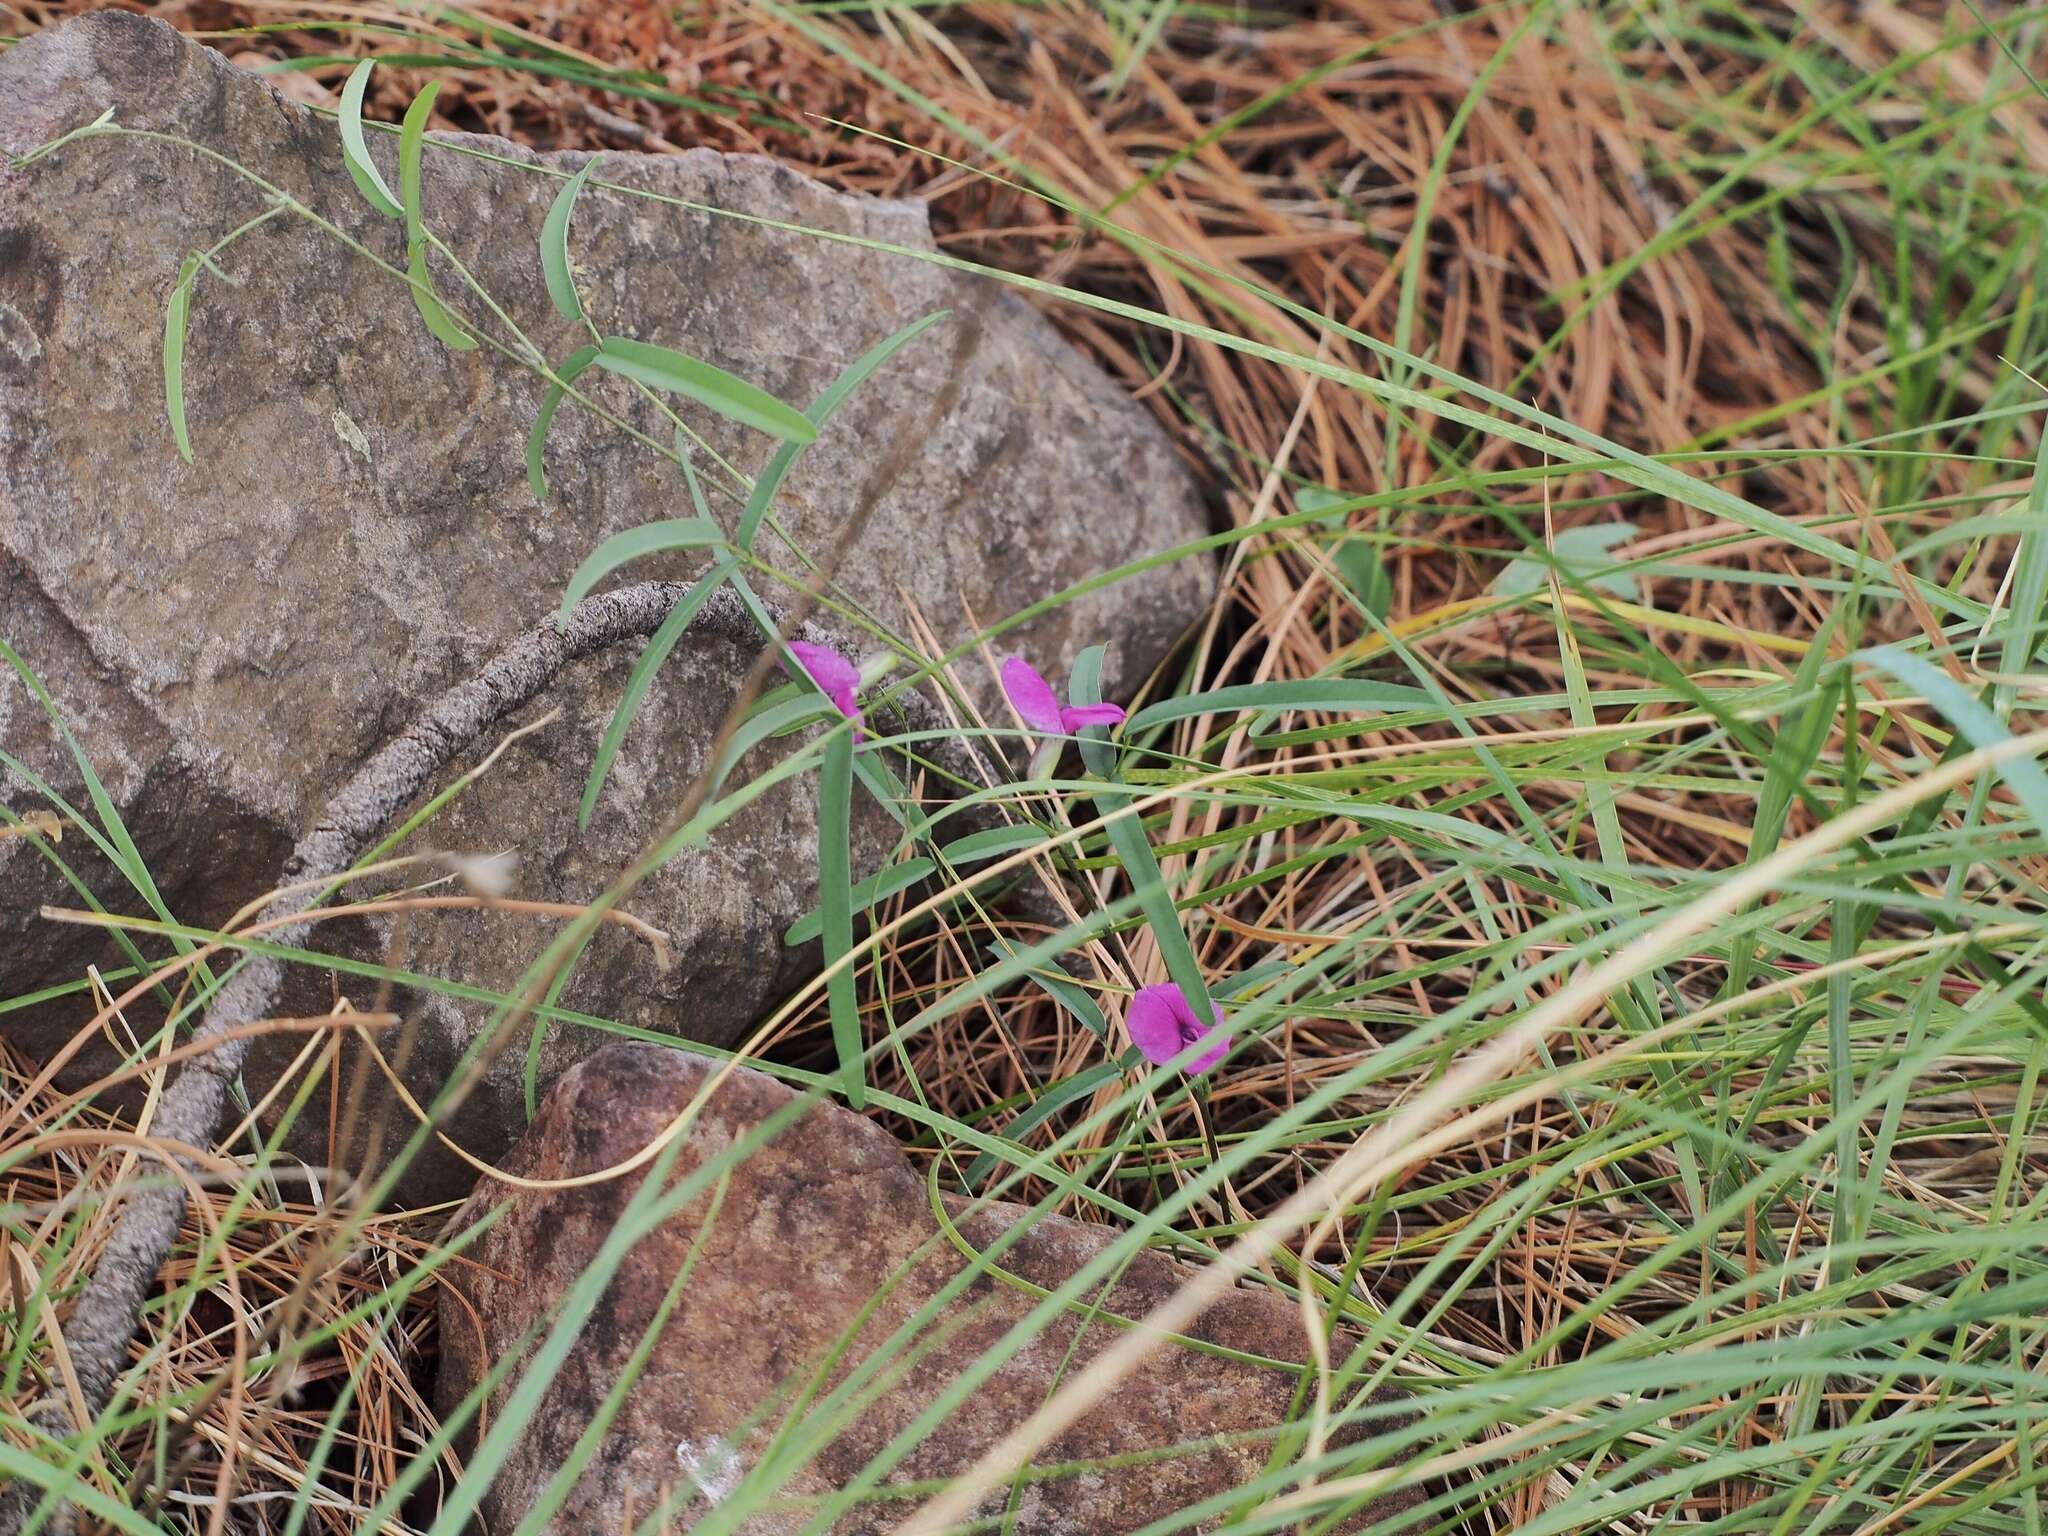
pixel 1163 1025
pixel 837 678
pixel 1039 707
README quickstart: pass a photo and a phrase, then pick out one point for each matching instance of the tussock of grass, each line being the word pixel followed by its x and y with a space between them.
pixel 1746 1239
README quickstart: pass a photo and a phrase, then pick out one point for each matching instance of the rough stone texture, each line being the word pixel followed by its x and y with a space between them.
pixel 231 638
pixel 812 1227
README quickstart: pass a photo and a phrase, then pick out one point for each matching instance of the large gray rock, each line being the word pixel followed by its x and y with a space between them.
pixel 810 1230
pixel 229 639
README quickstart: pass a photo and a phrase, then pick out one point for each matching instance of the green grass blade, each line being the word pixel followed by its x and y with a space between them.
pixel 1325 695
pixel 437 318
pixel 127 858
pixel 2030 588
pixel 1979 725
pixel 991 843
pixel 876 888
pixel 1127 838
pixel 1069 994
pixel 835 893
pixel 642 679
pixel 836 394
pixel 772 720
pixel 1048 1105
pixel 681 374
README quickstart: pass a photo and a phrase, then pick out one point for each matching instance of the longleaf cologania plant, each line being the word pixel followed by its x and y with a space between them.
pixel 1757 1242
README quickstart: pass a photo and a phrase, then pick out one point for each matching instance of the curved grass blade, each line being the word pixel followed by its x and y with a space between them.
pixel 992 843
pixel 1133 850
pixel 554 245
pixel 835 882
pixel 836 394
pixel 650 661
pixel 1067 993
pixel 654 656
pixel 411 136
pixel 1326 695
pixel 1064 1092
pixel 623 548
pixel 876 888
pixel 2023 775
pixel 769 721
pixel 175 313
pixel 536 441
pixel 679 374
pixel 355 152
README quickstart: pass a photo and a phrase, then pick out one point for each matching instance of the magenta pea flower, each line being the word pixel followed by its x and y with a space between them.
pixel 1162 1025
pixel 1040 708
pixel 836 677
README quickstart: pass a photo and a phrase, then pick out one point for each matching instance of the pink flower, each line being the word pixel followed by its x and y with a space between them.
pixel 1163 1025
pixel 1040 708
pixel 836 677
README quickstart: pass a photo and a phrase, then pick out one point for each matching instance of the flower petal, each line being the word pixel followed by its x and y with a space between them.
pixel 832 672
pixel 1162 1024
pixel 1210 1057
pixel 1077 716
pixel 1032 696
pixel 1153 1022
pixel 844 699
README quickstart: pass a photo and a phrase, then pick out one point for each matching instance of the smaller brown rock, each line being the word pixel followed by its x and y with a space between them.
pixel 813 1227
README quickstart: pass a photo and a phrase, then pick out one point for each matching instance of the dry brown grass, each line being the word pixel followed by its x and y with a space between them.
pixel 280 1270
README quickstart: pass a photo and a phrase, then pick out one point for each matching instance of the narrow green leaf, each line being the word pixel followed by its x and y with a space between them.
pixel 877 888
pixel 679 374
pixel 71 1488
pixel 1063 1092
pixel 784 715
pixel 1794 750
pixel 1356 559
pixel 1324 695
pixel 1579 552
pixel 536 441
pixel 355 152
pixel 991 843
pixel 889 793
pixel 411 137
pixel 2030 589
pixel 835 861
pixel 1366 575
pixel 437 319
pixel 412 132
pixel 624 548
pixel 1250 980
pixel 1069 994
pixel 175 314
pixel 2023 775
pixel 688 461
pixel 554 245
pixel 113 836
pixel 769 482
pixel 642 679
pixel 1127 839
